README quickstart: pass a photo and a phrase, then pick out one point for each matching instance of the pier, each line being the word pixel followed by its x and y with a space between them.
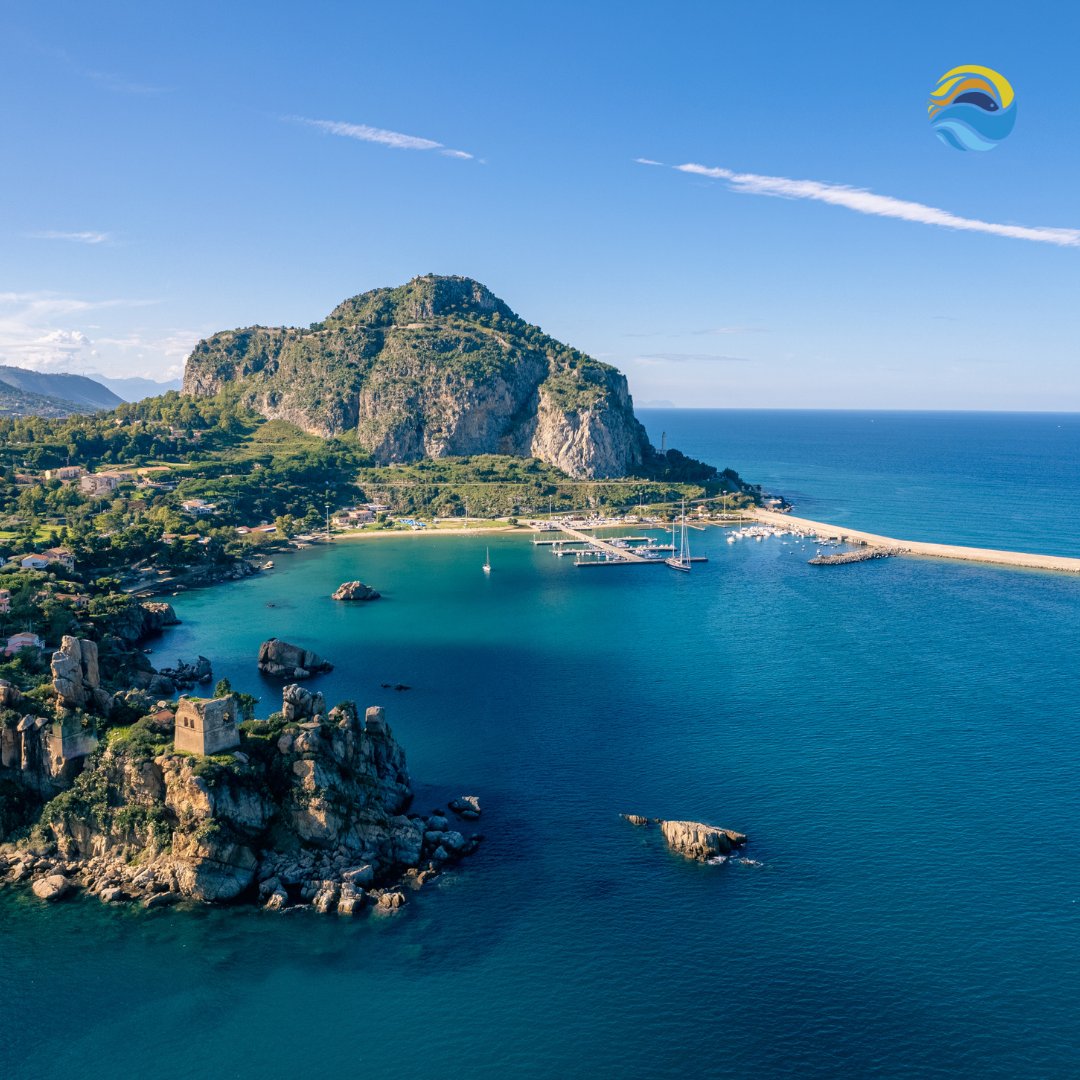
pixel 1027 560
pixel 593 551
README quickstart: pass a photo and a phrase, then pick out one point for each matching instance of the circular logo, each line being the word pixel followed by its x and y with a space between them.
pixel 972 108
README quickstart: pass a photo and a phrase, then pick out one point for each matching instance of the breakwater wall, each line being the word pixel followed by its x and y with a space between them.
pixel 1024 559
pixel 864 554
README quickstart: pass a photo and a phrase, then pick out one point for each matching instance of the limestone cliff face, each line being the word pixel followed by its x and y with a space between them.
pixel 438 367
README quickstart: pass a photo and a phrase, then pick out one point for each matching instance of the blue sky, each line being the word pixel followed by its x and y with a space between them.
pixel 163 180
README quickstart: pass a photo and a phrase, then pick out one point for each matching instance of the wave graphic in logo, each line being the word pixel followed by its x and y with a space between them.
pixel 972 108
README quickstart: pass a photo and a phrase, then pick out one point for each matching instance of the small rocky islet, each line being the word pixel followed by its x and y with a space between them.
pixel 309 808
pixel 354 591
pixel 693 839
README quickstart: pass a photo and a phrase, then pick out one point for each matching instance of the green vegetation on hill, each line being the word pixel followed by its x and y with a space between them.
pixel 500 486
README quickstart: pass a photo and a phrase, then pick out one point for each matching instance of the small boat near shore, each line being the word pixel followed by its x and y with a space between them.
pixel 680 561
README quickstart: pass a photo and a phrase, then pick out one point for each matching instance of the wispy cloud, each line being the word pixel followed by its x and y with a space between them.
pixel 85 237
pixel 121 85
pixel 48 332
pixel 395 139
pixel 647 161
pixel 868 202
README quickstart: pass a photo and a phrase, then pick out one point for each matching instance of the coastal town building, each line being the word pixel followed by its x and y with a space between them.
pixel 33 562
pixel 206 725
pixel 23 640
pixel 198 507
pixel 98 483
pixel 64 473
pixel 60 555
pixel 5 601
pixel 354 515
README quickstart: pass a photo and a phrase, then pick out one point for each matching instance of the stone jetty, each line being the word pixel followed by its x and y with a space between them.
pixel 1027 560
pixel 842 558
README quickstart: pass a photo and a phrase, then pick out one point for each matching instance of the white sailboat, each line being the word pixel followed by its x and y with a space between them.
pixel 682 560
pixel 487 561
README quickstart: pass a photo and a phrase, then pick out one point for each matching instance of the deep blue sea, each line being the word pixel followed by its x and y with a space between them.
pixel 900 740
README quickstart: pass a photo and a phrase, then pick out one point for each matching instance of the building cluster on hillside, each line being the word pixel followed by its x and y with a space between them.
pixel 39 560
pixel 198 507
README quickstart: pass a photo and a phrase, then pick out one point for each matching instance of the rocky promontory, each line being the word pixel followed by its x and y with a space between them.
pixel 354 590
pixel 285 661
pixel 309 808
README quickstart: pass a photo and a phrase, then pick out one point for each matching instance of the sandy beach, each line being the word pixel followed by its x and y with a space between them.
pixel 481 530
pixel 1027 560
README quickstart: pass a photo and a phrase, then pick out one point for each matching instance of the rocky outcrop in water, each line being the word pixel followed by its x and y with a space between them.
pixel 310 812
pixel 354 590
pixel 438 367
pixel 285 661
pixel 692 839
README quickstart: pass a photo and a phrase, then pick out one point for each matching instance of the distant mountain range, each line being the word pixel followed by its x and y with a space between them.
pixel 135 389
pixel 39 393
pixel 78 390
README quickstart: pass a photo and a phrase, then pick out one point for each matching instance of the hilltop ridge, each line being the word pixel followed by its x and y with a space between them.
pixel 437 367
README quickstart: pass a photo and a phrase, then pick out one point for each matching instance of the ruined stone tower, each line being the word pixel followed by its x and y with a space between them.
pixel 206 725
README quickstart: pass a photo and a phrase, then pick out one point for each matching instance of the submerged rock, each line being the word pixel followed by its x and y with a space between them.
pixel 354 590
pixel 466 806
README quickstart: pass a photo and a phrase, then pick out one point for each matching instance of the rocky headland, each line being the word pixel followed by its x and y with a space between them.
pixel 308 808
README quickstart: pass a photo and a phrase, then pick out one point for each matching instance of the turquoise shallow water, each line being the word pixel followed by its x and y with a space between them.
pixel 900 740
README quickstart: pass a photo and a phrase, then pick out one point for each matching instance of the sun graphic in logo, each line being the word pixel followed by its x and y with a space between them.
pixel 972 108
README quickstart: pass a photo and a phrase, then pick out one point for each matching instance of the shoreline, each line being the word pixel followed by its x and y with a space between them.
pixel 1013 559
pixel 367 534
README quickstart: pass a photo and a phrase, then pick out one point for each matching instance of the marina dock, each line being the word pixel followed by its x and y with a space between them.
pixel 593 551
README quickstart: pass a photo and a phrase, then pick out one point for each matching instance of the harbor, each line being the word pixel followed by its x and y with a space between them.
pixel 579 539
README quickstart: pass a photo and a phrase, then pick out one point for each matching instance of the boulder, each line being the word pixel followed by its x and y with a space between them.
pixel 11 697
pixel 466 806
pixel 277 900
pixel 75 676
pixel 390 901
pixel 282 660
pixel 354 590
pixel 52 887
pixel 635 819
pixel 300 704
pixel 184 676
pixel 162 899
